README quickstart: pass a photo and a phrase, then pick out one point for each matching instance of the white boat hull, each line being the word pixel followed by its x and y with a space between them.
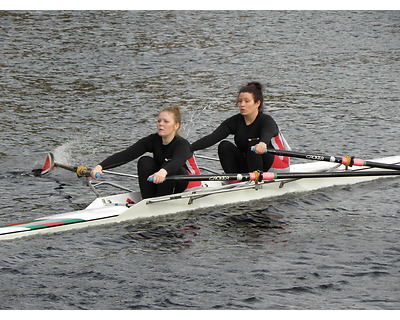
pixel 113 209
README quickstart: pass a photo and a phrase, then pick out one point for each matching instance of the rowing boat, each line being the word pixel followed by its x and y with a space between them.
pixel 215 191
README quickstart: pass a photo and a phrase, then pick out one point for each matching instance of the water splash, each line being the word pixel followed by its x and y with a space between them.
pixel 63 153
pixel 191 123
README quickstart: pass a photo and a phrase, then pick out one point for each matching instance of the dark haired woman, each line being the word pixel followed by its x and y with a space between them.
pixel 171 156
pixel 252 129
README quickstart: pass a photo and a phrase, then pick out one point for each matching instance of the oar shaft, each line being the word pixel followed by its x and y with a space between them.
pixel 381 165
pixel 85 172
pixel 63 166
pixel 267 176
pixel 347 161
pixel 80 171
pixel 332 174
pixel 209 177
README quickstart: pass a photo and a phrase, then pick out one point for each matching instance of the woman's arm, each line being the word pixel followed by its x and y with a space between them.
pixel 217 135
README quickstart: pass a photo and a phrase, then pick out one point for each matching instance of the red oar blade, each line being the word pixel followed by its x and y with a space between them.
pixel 48 165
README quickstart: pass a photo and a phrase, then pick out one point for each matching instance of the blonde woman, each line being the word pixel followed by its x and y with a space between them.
pixel 171 156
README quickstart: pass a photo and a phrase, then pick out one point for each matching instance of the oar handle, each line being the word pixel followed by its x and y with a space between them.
pixel 85 172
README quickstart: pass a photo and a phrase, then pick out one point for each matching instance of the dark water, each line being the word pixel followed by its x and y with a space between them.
pixel 86 84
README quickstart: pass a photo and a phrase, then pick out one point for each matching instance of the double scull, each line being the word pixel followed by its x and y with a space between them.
pixel 215 191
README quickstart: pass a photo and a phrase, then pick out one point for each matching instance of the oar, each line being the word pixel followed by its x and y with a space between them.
pixel 49 165
pixel 80 171
pixel 268 176
pixel 347 161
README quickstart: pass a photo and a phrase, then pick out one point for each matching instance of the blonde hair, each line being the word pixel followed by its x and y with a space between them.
pixel 176 112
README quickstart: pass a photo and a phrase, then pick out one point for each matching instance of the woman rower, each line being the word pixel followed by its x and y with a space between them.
pixel 171 156
pixel 254 132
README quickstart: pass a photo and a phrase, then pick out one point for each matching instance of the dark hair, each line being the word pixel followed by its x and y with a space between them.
pixel 255 88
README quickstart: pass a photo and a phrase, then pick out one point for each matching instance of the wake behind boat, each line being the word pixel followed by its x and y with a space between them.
pixel 215 191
